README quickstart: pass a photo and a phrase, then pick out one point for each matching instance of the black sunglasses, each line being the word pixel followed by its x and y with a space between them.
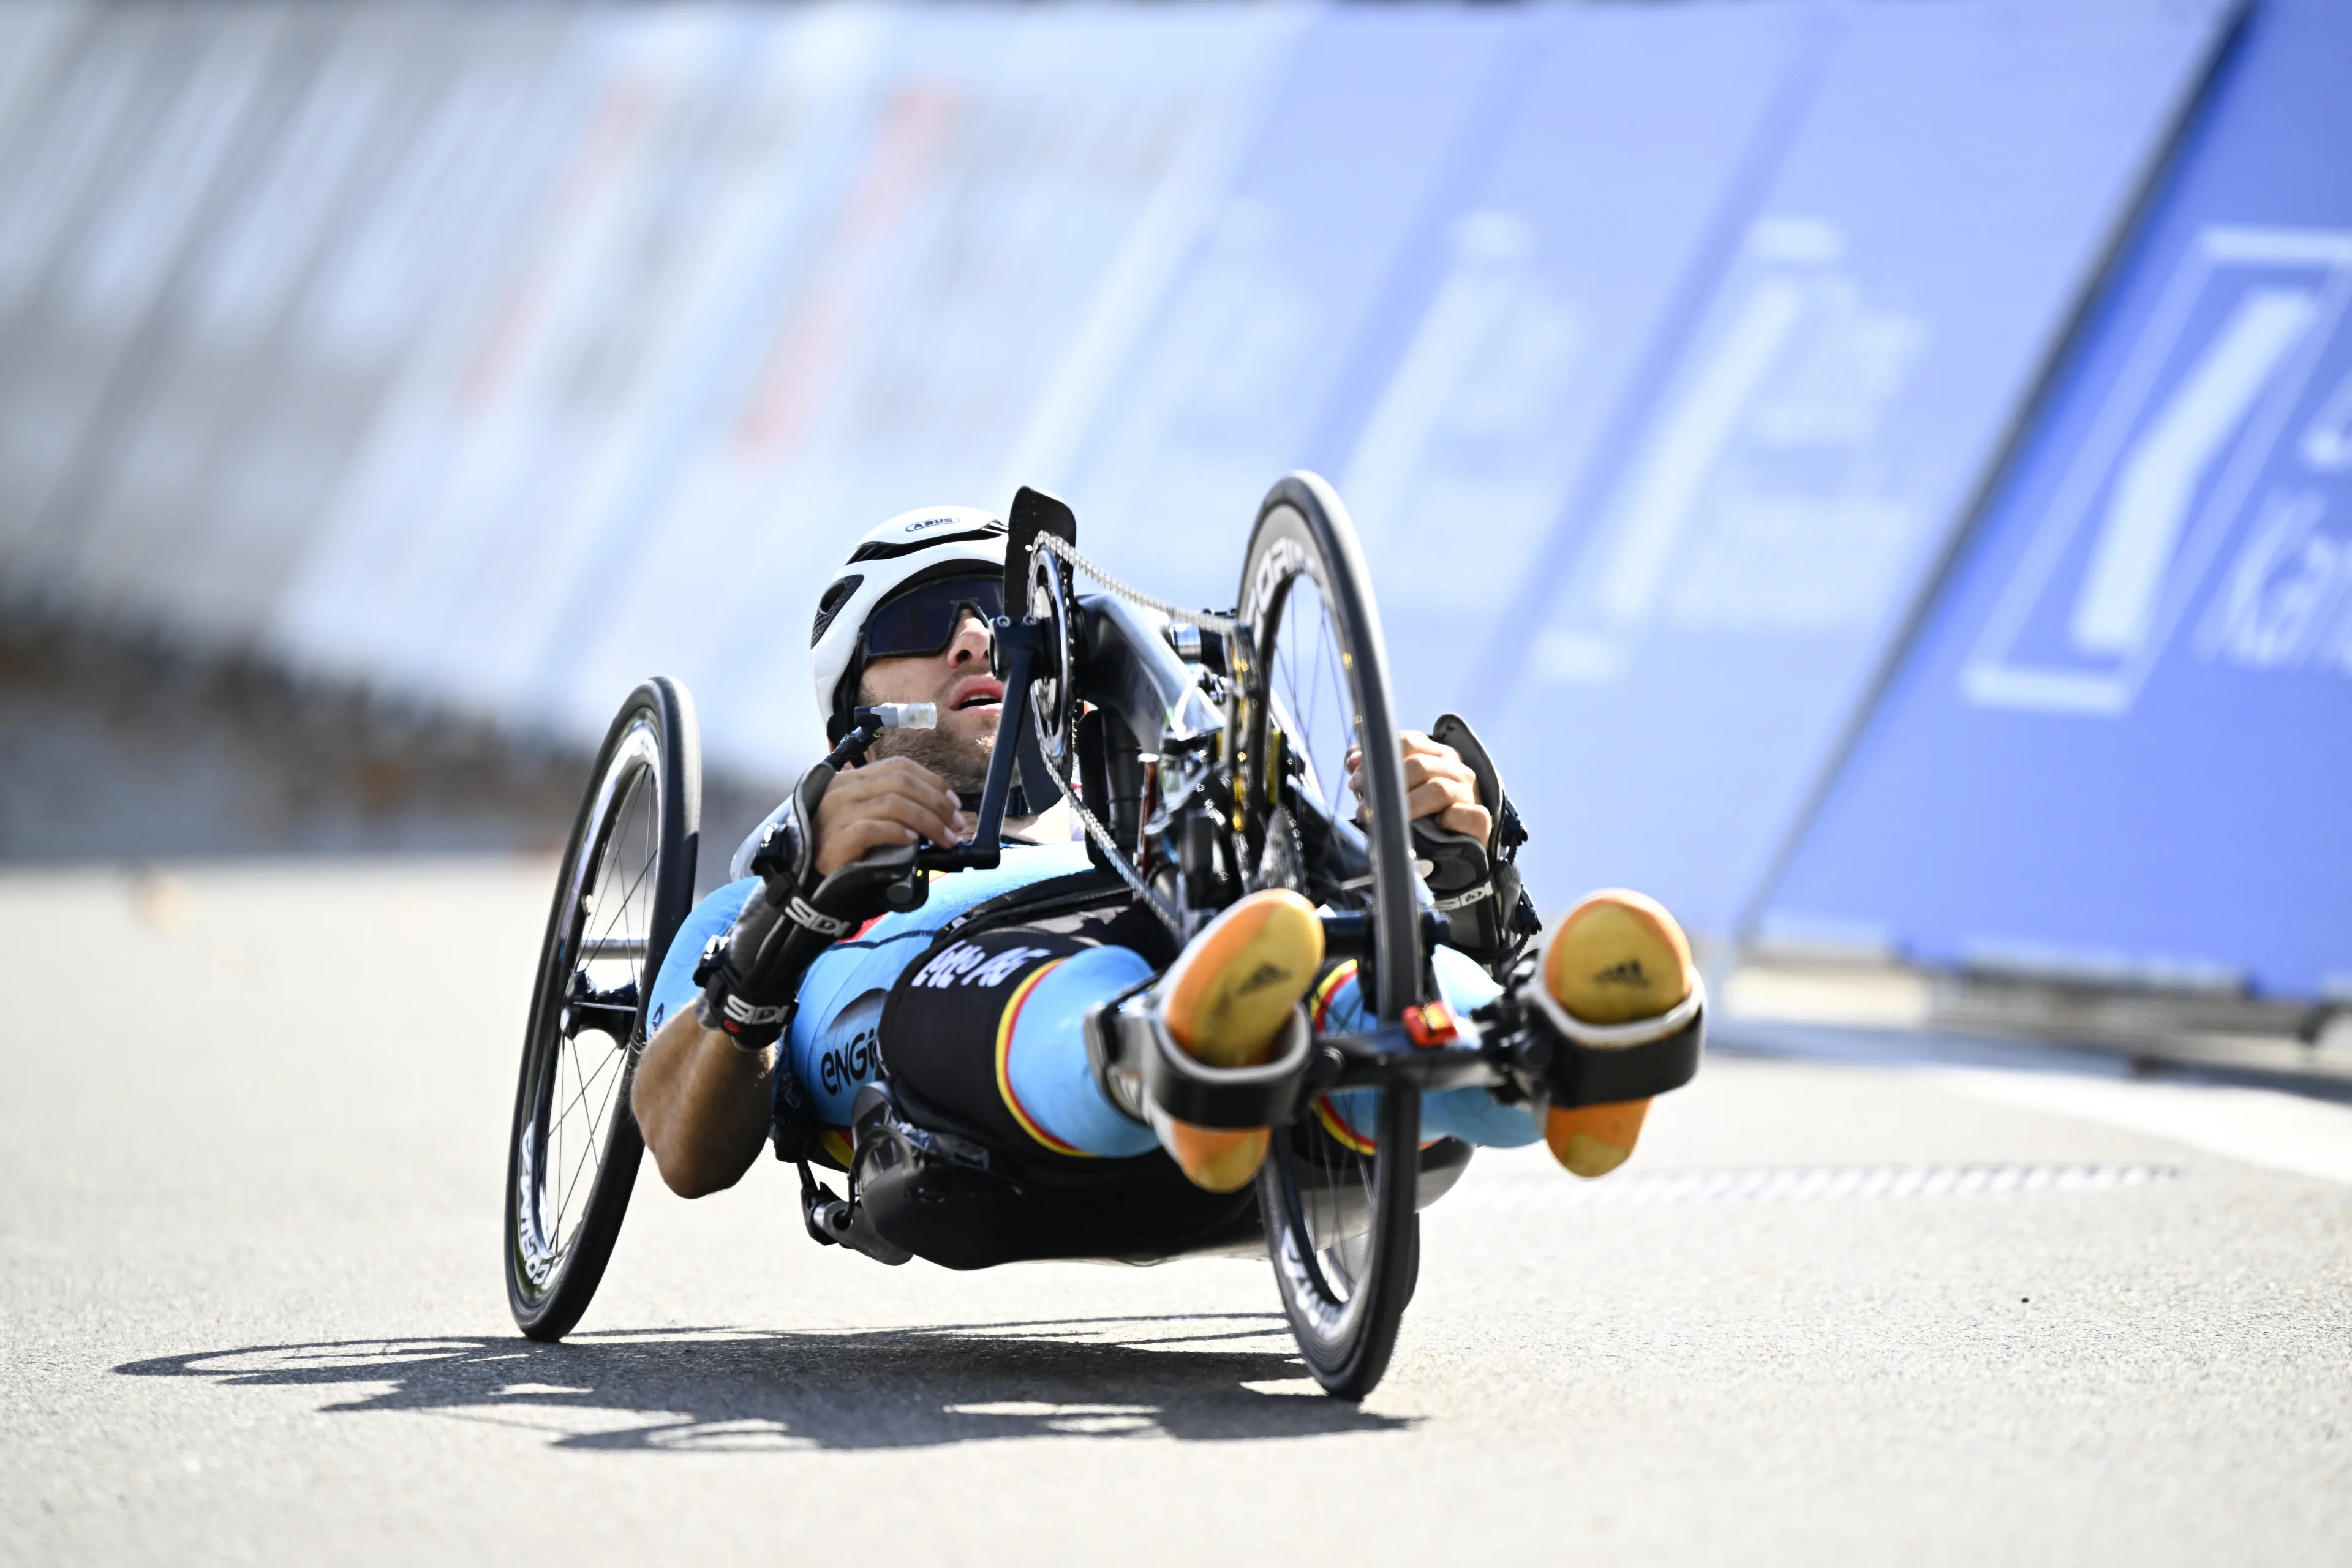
pixel 922 620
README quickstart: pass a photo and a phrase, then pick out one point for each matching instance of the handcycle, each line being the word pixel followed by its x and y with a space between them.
pixel 1205 755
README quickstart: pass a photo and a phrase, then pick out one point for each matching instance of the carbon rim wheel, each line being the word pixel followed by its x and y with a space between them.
pixel 1339 1205
pixel 626 882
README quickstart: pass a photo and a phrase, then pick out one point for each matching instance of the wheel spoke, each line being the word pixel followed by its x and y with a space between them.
pixel 555 1142
pixel 1328 676
pixel 628 815
pixel 586 1082
pixel 591 1148
pixel 553 1191
pixel 644 869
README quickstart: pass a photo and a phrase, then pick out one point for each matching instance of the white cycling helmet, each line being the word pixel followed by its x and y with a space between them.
pixel 911 549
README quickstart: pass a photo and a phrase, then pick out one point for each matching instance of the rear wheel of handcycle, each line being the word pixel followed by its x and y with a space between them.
pixel 626 882
pixel 1340 1220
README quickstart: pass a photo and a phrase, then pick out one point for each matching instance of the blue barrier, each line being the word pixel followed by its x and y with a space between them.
pixel 1685 652
pixel 2117 749
pixel 1592 204
pixel 1365 127
pixel 495 361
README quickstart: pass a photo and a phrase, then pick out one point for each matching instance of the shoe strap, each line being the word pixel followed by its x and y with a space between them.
pixel 1617 1037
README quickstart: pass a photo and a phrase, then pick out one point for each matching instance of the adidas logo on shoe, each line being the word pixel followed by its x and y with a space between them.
pixel 1617 958
pixel 1224 1000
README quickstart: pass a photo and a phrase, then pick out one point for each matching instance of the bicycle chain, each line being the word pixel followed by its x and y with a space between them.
pixel 1053 544
pixel 1118 861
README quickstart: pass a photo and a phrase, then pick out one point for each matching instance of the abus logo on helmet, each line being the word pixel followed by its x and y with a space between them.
pixel 1283 560
pixel 930 522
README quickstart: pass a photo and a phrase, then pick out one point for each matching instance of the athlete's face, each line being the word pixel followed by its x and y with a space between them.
pixel 968 697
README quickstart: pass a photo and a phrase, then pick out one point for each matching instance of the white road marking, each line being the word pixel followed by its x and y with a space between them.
pixel 2257 1126
pixel 1797 1184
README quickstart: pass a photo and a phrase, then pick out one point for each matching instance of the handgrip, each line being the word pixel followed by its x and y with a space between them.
pixel 891 870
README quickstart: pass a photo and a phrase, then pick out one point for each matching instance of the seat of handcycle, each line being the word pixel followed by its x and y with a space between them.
pixel 930 1184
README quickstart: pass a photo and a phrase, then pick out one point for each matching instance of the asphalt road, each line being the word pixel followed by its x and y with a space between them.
pixel 250 1154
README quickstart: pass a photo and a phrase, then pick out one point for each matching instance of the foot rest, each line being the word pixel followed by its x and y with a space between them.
pixel 1130 1042
pixel 1606 1064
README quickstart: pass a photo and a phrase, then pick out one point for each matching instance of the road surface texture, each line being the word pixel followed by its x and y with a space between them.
pixel 250 1310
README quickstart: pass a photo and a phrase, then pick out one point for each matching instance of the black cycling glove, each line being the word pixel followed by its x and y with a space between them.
pixel 751 975
pixel 1489 914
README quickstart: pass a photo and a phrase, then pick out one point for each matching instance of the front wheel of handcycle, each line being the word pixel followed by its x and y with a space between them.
pixel 1337 1192
pixel 625 884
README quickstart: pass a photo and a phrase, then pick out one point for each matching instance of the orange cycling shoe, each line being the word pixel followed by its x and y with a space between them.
pixel 1224 1001
pixel 1617 961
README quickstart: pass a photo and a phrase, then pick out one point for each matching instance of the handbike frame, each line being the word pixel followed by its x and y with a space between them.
pixel 1506 1046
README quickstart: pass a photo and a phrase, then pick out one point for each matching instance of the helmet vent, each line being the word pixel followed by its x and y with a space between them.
pixel 830 605
pixel 884 549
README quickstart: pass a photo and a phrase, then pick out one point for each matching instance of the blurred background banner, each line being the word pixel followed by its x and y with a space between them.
pixel 2118 751
pixel 487 360
pixel 1616 152
pixel 1713 604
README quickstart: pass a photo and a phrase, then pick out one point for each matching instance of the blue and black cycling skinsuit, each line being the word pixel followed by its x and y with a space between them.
pixel 984 1021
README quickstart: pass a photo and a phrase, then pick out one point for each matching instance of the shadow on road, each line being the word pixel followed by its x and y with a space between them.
pixel 716 1389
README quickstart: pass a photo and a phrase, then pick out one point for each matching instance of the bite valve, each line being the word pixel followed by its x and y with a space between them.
pixel 867 724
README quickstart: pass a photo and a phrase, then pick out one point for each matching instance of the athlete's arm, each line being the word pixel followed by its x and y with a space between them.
pixel 701 1100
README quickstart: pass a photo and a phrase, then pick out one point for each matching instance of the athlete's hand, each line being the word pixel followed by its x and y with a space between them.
pixel 892 802
pixel 1437 783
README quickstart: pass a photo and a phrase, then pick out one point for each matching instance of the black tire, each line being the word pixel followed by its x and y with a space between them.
pixel 626 882
pixel 1341 1224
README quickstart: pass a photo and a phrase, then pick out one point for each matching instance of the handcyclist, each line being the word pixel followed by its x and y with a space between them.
pixel 986 1028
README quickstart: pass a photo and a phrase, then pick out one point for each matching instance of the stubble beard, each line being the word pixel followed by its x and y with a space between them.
pixel 963 763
